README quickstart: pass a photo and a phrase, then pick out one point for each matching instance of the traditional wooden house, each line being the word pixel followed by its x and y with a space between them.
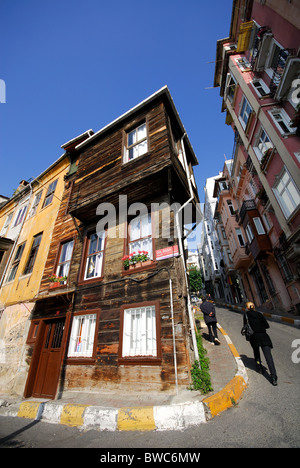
pixel 120 317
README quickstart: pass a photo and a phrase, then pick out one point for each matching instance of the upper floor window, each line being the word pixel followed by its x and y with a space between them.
pixel 259 227
pixel 249 233
pixel 50 193
pixel 287 193
pixel 282 121
pixel 16 262
pixel 240 237
pixel 230 87
pixel 6 224
pixel 140 235
pixel 33 253
pixel 64 259
pixel 35 203
pixel 263 144
pixel 230 207
pixel 245 112
pixel 243 64
pixel 94 255
pixel 136 142
pixel 260 87
pixel 20 215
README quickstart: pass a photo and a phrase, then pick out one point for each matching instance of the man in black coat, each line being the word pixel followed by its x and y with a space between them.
pixel 209 314
pixel 261 339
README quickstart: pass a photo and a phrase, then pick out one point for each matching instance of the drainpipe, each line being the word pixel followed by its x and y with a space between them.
pixel 180 242
pixel 173 332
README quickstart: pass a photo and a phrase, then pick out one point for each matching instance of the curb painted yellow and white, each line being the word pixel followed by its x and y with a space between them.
pixel 147 418
pixel 233 391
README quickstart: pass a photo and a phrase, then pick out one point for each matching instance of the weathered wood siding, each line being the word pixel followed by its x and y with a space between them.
pixel 101 176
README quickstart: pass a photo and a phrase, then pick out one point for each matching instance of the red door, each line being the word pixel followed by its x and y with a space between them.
pixel 46 379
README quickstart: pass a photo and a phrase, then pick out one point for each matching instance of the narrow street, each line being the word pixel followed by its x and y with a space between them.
pixel 266 416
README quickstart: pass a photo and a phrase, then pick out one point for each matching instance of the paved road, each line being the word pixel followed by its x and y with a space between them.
pixel 266 416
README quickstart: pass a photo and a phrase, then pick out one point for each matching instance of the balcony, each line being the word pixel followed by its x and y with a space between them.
pixel 259 243
pixel 248 205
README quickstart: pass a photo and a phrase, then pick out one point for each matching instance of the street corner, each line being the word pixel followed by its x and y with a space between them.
pixel 227 397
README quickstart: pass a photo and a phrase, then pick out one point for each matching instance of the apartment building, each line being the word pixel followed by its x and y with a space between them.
pixel 257 70
pixel 26 224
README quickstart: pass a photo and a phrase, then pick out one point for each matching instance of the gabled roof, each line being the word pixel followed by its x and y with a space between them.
pixel 163 92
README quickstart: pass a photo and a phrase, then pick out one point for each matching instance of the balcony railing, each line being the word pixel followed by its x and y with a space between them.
pixel 246 206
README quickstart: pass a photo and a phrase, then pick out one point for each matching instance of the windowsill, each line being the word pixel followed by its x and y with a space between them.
pixel 125 163
pixel 55 287
pixel 139 269
pixel 140 360
pixel 81 360
pixel 83 282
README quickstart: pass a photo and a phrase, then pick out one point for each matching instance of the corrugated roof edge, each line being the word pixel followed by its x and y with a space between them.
pixel 162 91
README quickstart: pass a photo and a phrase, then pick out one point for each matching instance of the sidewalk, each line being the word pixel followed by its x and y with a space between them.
pixel 150 411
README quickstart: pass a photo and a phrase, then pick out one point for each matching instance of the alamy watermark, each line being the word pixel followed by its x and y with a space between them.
pixel 296 353
pixel 296 92
pixel 166 220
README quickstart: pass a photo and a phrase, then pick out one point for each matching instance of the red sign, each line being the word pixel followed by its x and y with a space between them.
pixel 168 252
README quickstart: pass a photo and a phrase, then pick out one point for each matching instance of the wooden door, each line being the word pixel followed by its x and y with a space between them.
pixel 46 379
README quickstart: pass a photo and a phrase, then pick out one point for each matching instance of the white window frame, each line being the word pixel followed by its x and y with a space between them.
pixel 262 144
pixel 65 255
pixel 20 216
pixel 259 226
pixel 140 236
pixel 249 233
pixel 284 118
pixel 261 89
pixel 35 204
pixel 94 259
pixel 267 222
pixel 136 145
pixel 230 205
pixel 292 196
pixel 230 87
pixel 6 224
pixel 245 112
pixel 240 237
pixel 274 44
pixel 82 336
pixel 243 64
pixel 139 332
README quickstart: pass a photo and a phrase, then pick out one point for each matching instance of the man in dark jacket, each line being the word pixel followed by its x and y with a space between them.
pixel 261 339
pixel 209 314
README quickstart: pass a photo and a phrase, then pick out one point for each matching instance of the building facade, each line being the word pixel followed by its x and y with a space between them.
pixel 120 318
pixel 26 225
pixel 257 69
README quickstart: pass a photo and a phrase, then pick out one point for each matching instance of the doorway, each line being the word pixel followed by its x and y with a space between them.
pixel 50 359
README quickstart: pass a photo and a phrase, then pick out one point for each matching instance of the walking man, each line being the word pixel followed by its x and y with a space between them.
pixel 209 314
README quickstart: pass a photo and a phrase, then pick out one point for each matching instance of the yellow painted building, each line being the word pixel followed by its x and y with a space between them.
pixel 26 225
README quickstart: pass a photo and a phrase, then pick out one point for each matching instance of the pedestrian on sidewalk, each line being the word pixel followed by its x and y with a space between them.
pixel 260 339
pixel 210 319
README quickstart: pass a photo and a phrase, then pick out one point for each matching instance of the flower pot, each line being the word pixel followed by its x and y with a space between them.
pixel 56 284
pixel 147 263
pixel 135 266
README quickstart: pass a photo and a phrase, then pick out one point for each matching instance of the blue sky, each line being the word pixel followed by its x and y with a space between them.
pixel 73 65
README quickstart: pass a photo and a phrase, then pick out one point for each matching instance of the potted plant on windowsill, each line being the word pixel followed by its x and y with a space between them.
pixel 136 260
pixel 56 281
